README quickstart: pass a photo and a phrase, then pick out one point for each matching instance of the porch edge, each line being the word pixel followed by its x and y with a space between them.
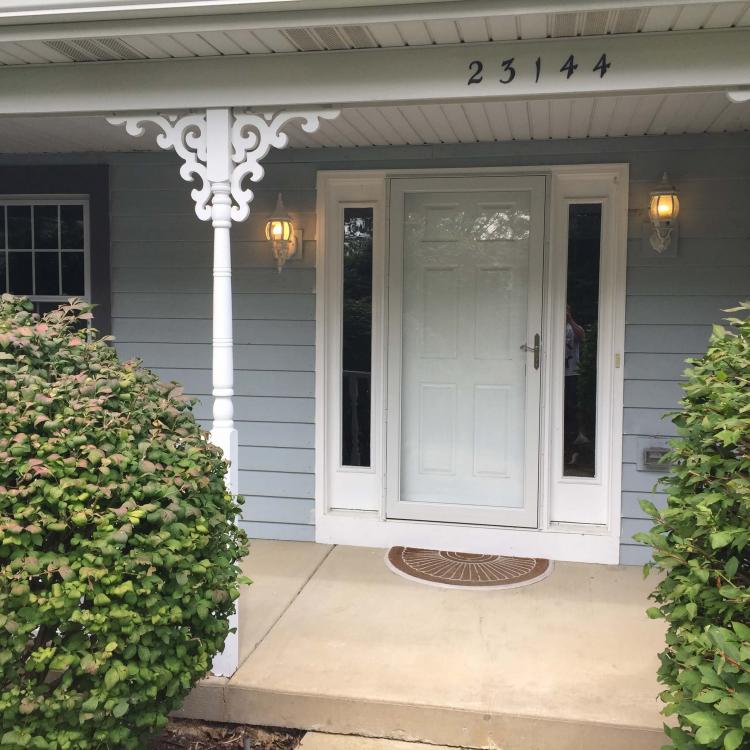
pixel 430 724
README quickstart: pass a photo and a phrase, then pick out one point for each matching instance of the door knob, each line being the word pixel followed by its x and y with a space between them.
pixel 536 349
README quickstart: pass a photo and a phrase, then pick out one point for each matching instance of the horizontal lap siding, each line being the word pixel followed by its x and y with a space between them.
pixel 672 303
pixel 161 282
pixel 161 294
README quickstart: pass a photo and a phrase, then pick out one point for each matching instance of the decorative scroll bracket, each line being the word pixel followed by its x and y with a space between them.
pixel 222 145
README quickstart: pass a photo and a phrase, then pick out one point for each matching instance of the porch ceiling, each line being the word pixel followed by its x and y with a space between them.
pixel 247 35
pixel 472 122
pixel 538 119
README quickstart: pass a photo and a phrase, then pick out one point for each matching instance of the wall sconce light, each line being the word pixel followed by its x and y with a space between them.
pixel 663 209
pixel 280 231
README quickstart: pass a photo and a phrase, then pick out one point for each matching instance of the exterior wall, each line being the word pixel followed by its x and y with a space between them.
pixel 161 282
pixel 672 300
pixel 161 312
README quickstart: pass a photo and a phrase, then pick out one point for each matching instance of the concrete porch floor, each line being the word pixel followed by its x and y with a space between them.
pixel 333 641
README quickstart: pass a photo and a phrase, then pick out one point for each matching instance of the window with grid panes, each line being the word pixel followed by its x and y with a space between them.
pixel 43 249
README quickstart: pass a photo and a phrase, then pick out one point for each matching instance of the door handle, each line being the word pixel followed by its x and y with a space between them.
pixel 536 349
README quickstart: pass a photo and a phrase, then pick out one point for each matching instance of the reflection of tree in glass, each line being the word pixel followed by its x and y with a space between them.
pixel 442 225
pixel 491 223
pixel 357 289
pixel 501 224
pixel 583 262
pixel 357 336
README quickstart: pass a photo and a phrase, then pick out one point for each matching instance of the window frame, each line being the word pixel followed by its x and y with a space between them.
pixel 51 200
pixel 48 177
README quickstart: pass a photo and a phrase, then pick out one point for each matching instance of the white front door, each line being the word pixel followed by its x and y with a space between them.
pixel 465 286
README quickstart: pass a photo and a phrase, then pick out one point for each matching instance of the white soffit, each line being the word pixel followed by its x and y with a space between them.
pixel 232 37
pixel 474 122
pixel 480 122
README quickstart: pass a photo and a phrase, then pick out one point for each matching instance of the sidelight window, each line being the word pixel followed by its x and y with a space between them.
pixel 356 376
pixel 581 339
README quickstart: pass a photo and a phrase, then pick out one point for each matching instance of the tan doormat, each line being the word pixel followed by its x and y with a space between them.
pixel 466 570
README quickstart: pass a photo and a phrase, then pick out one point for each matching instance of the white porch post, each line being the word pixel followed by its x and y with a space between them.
pixel 223 433
pixel 218 168
pixel 222 147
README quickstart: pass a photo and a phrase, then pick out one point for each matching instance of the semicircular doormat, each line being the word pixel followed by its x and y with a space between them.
pixel 466 570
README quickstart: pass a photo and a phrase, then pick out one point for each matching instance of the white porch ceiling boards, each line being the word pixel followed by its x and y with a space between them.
pixel 593 117
pixel 233 35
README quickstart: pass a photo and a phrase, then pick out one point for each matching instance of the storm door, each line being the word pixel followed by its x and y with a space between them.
pixel 464 353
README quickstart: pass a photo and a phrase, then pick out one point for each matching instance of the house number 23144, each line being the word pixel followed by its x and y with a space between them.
pixel 509 69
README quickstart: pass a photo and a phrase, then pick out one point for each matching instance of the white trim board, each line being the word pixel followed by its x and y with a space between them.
pixel 567 545
pixel 643 63
pixel 563 533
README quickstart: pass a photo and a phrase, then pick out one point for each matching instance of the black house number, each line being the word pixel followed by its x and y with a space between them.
pixel 508 69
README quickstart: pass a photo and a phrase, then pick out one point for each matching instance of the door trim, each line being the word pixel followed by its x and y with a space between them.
pixel 368 526
pixel 395 507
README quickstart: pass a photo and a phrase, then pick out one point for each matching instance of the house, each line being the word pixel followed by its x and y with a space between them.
pixel 508 225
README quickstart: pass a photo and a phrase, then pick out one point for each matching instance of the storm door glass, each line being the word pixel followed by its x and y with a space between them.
pixel 581 339
pixel 465 301
pixel 356 373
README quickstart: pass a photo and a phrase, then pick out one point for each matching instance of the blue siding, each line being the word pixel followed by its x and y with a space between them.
pixel 161 278
pixel 159 246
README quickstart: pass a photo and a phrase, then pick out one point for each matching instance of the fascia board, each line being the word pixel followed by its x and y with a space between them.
pixel 685 61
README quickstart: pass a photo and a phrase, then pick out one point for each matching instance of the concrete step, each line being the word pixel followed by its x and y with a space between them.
pixel 412 723
pixel 336 643
pixel 319 741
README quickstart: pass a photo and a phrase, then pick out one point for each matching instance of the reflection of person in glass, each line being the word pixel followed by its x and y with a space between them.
pixel 574 337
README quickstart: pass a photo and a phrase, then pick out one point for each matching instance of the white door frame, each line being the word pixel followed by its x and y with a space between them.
pixel 341 521
pixel 577 500
pixel 396 508
pixel 348 487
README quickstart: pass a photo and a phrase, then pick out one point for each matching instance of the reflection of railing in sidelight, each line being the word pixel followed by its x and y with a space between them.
pixel 351 389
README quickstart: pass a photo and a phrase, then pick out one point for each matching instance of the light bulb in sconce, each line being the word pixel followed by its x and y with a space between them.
pixel 663 209
pixel 280 232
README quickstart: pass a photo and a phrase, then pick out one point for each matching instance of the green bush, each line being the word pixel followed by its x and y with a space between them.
pixel 118 549
pixel 700 545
